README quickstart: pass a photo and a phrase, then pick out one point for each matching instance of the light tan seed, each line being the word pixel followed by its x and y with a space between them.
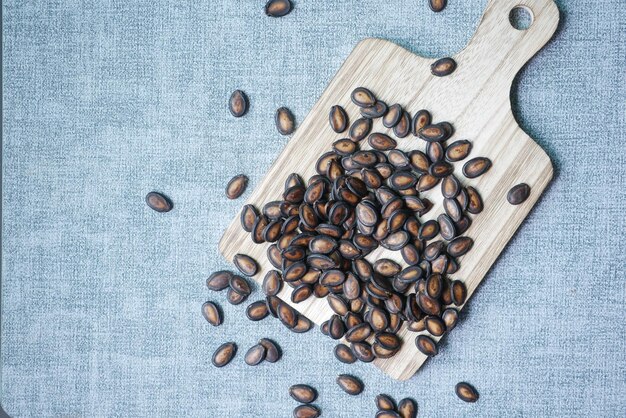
pixel 158 202
pixel 385 402
pixel 435 325
pixel 450 318
pixel 350 384
pixel 212 313
pixel 238 103
pixel 236 186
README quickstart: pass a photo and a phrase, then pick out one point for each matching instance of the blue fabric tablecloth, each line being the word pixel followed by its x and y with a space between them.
pixel 107 100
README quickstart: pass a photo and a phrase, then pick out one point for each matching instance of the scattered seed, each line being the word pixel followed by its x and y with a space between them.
pixel 255 355
pixel 159 202
pixel 272 350
pixel 257 310
pixel 338 119
pixel 476 167
pixel 240 285
pixel 245 264
pixel 450 318
pixel 362 97
pixel 466 392
pixel 306 411
pixel 236 186
pixel 238 103
pixel 285 121
pixel 224 354
pixel 344 354
pixel 350 384
pixel 426 345
pixel 518 194
pixel 385 402
pixel 458 150
pixel 219 280
pixel 212 313
pixel 381 142
pixel 458 292
pixel 360 129
pixel 407 408
pixel 393 116
pixel 443 66
pixel 303 393
pixel 403 127
pixel 376 111
pixel 278 8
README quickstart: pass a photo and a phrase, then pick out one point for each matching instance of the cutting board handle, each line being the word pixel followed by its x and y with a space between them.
pixel 498 43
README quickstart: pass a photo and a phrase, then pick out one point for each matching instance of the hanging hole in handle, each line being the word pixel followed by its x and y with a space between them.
pixel 521 17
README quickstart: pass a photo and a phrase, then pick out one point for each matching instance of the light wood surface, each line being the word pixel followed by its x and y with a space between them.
pixel 475 99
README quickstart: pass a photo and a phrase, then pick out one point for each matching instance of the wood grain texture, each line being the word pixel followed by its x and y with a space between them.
pixel 475 99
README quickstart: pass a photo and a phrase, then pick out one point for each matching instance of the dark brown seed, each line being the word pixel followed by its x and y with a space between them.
pixel 219 280
pixel 351 287
pixel 236 186
pixel 443 66
pixel 348 250
pixel 303 393
pixel 301 293
pixel 440 169
pixel 336 327
pixel 447 228
pixel 258 228
pixel 450 187
pixel 274 255
pixel 344 146
pixel 272 231
pixel 321 262
pixel 362 97
pixel 381 142
pixel 458 150
pixel 397 220
pixel 272 210
pixel 332 278
pixel 294 271
pixel 426 345
pixel 293 180
pixel 380 352
pixel 294 253
pixel 338 304
pixel 393 116
pixel 287 315
pixel 432 133
pixel 396 240
pixel 437 6
pixel 360 129
pixel 407 408
pixel 402 180
pixel 453 209
pixel 255 355
pixel 322 244
pixel 240 285
pixel 224 354
pixel 358 333
pixel 428 305
pixel 238 103
pixel 257 310
pixel 398 159
pixel 433 250
pixel 245 264
pixel 310 277
pixel 386 267
pixel 158 202
pixel 434 285
pixel 419 161
pixel 278 8
pixel 428 230
pixel 410 254
pixel 435 325
pixel 466 392
pixel 285 121
pixel 417 326
pixel 306 411
pixel 460 246
pixel 440 264
pixel 212 313
pixel 476 167
pixel 388 340
pixel 365 158
pixel 458 292
pixel 378 320
pixel 235 298
pixel 273 352
pixel 427 182
pixel 475 202
pixel 367 214
pixel 303 325
pixel 376 111
pixel 435 151
pixel 322 163
pixel 350 384
pixel 421 119
pixel 518 194
pixel 248 216
pixel 338 119
pixel 403 127
pixel 344 354
pixel 387 414
pixel 450 318
pixel 385 403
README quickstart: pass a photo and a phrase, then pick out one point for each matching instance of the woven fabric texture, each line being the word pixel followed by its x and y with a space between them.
pixel 107 100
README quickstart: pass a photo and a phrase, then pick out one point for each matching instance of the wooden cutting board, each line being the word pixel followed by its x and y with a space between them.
pixel 475 99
